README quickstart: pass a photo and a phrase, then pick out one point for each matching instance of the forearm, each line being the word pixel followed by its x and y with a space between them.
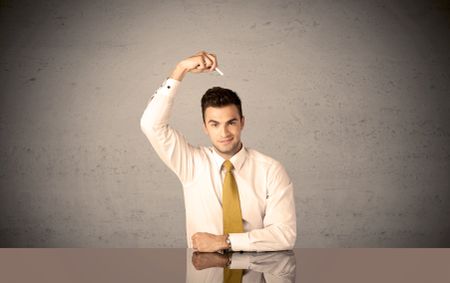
pixel 199 63
pixel 158 110
pixel 159 106
pixel 178 73
pixel 272 238
pixel 170 145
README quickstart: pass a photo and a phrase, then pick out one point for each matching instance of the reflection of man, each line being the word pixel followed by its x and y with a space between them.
pixel 256 267
pixel 236 198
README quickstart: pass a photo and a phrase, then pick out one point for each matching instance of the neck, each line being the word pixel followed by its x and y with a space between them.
pixel 228 156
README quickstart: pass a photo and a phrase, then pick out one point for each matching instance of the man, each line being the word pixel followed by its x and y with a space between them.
pixel 236 198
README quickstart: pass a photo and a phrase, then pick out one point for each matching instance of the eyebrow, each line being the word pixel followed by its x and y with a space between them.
pixel 214 121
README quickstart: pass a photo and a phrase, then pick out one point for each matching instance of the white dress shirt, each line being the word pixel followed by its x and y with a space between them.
pixel 265 190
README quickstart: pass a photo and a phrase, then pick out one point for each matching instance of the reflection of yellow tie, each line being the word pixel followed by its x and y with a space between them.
pixel 232 216
pixel 232 275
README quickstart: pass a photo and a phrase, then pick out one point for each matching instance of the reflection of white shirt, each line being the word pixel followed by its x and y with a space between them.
pixel 265 190
pixel 270 267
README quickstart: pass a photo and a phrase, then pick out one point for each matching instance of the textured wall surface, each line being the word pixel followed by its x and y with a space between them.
pixel 351 96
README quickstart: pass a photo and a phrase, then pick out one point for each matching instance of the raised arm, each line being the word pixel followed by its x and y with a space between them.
pixel 170 145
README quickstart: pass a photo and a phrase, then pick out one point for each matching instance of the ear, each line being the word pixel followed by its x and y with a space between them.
pixel 242 122
pixel 205 130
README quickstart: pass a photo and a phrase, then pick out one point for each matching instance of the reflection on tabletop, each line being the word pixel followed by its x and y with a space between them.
pixel 243 267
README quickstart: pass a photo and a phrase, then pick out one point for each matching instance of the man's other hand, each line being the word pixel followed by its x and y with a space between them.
pixel 206 242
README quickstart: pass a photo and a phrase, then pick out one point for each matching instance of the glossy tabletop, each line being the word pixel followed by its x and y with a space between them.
pixel 185 265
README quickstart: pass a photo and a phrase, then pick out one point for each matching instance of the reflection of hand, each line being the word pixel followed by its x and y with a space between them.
pixel 207 260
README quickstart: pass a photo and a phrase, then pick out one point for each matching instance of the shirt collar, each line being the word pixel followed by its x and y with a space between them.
pixel 237 159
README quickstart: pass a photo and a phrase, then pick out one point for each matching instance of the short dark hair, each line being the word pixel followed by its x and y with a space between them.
pixel 220 97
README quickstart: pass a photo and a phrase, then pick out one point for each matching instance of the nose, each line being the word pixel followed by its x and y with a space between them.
pixel 224 132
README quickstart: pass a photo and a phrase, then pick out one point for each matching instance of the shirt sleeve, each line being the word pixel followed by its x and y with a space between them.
pixel 170 145
pixel 280 228
pixel 276 266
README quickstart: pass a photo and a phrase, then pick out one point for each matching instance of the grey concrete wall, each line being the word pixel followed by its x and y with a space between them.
pixel 351 96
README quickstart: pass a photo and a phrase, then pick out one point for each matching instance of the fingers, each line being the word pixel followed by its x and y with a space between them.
pixel 194 241
pixel 211 60
pixel 214 59
pixel 199 53
pixel 201 65
pixel 203 62
pixel 206 62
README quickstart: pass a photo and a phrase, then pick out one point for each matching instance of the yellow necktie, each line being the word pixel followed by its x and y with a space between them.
pixel 232 216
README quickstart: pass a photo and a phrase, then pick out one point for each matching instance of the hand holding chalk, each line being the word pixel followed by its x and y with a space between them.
pixel 201 62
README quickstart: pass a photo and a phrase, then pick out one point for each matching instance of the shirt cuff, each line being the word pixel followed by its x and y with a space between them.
pixel 169 86
pixel 239 241
pixel 240 261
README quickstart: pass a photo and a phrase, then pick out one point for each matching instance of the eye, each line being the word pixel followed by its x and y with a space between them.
pixel 214 125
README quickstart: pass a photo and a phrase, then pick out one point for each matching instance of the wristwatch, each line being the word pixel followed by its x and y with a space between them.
pixel 227 240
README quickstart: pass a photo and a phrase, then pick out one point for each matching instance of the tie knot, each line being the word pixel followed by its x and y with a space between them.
pixel 228 165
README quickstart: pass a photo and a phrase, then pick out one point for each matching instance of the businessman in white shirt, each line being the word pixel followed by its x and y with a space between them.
pixel 223 175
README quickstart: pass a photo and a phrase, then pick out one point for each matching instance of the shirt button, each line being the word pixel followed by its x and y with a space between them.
pixel 168 86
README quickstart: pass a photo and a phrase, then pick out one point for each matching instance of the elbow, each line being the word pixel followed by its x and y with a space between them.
pixel 147 126
pixel 152 130
pixel 284 239
pixel 287 240
pixel 290 242
pixel 144 124
pixel 293 237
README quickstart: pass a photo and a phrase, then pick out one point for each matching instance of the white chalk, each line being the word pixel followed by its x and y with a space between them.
pixel 218 71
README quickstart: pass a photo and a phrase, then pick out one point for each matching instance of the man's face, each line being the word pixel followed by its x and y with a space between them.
pixel 223 125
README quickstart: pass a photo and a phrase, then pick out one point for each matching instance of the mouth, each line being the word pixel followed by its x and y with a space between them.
pixel 227 141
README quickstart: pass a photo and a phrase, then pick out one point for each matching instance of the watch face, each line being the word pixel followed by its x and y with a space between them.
pixel 229 244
